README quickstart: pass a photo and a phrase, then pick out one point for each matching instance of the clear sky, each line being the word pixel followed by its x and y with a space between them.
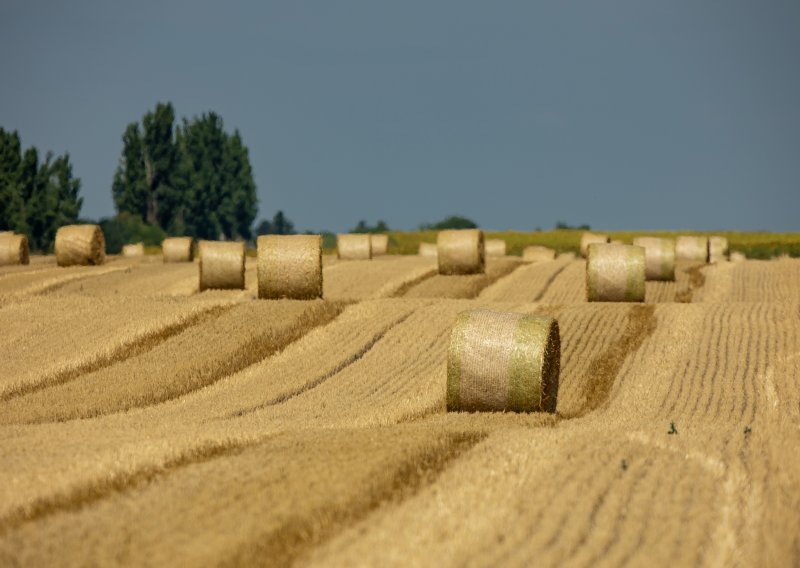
pixel 637 114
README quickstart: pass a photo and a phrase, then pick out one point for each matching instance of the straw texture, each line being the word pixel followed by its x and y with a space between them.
pixel 737 256
pixel 429 250
pixel 501 361
pixel 354 246
pixel 461 252
pixel 659 257
pixel 290 266
pixel 80 244
pixel 178 249
pixel 134 250
pixel 717 249
pixel 379 244
pixel 615 273
pixel 13 249
pixel 221 265
pixel 495 247
pixel 691 248
pixel 537 253
pixel 591 238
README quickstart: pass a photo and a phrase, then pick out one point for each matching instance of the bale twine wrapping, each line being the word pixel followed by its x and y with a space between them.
pixel 495 247
pixel 691 248
pixel 178 249
pixel 80 244
pixel 615 273
pixel 537 253
pixel 221 265
pixel 429 250
pixel 502 361
pixel 13 249
pixel 591 238
pixel 133 251
pixel 461 251
pixel 659 257
pixel 290 266
pixel 354 246
pixel 717 249
pixel 379 244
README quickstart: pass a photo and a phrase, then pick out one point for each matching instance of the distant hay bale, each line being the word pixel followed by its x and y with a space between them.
pixel 290 266
pixel 379 244
pixel 691 248
pixel 133 251
pixel 615 273
pixel 616 242
pixel 659 257
pixel 717 249
pixel 537 253
pixel 221 265
pixel 178 249
pixel 501 361
pixel 13 249
pixel 429 250
pixel 81 245
pixel 354 246
pixel 737 256
pixel 495 247
pixel 591 238
pixel 461 251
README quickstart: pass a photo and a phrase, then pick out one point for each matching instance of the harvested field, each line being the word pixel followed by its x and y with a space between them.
pixel 217 428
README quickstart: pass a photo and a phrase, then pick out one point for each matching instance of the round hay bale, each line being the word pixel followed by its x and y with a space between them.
pixel 135 250
pixel 495 247
pixel 221 265
pixel 502 361
pixel 80 244
pixel 13 249
pixel 429 250
pixel 354 246
pixel 461 251
pixel 659 257
pixel 691 248
pixel 537 253
pixel 379 244
pixel 737 256
pixel 615 273
pixel 178 249
pixel 717 249
pixel 591 238
pixel 290 266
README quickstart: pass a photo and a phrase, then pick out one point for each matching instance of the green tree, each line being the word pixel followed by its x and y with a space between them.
pixel 452 222
pixel 10 197
pixel 363 227
pixel 280 225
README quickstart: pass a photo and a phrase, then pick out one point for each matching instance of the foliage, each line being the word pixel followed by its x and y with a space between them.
pixel 280 225
pixel 563 225
pixel 452 222
pixel 127 228
pixel 363 227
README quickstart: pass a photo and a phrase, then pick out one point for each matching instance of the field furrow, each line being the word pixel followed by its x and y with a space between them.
pixel 142 279
pixel 527 283
pixel 753 281
pixel 381 277
pixel 464 286
pixel 33 282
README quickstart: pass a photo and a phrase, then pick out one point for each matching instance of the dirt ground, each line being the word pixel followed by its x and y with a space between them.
pixel 144 423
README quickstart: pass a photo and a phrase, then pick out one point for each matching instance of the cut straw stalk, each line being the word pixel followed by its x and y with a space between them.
pixel 500 361
pixel 13 249
pixel 134 251
pixel 591 238
pixel 178 249
pixel 615 273
pixel 428 249
pixel 537 253
pixel 80 244
pixel 354 246
pixel 221 265
pixel 691 248
pixel 717 249
pixel 379 243
pixel 659 257
pixel 495 247
pixel 290 266
pixel 461 252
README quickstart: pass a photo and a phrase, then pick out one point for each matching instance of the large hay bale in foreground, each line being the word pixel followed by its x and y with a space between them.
pixel 536 253
pixel 13 249
pixel 354 246
pixel 717 249
pixel 461 251
pixel 501 361
pixel 429 250
pixel 178 249
pixel 379 243
pixel 80 245
pixel 591 238
pixel 615 273
pixel 691 248
pixel 290 266
pixel 221 265
pixel 495 247
pixel 135 250
pixel 659 257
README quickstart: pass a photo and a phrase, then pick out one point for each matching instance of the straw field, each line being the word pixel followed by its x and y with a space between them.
pixel 145 422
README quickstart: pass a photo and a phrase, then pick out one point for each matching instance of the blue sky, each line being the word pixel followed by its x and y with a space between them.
pixel 623 114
